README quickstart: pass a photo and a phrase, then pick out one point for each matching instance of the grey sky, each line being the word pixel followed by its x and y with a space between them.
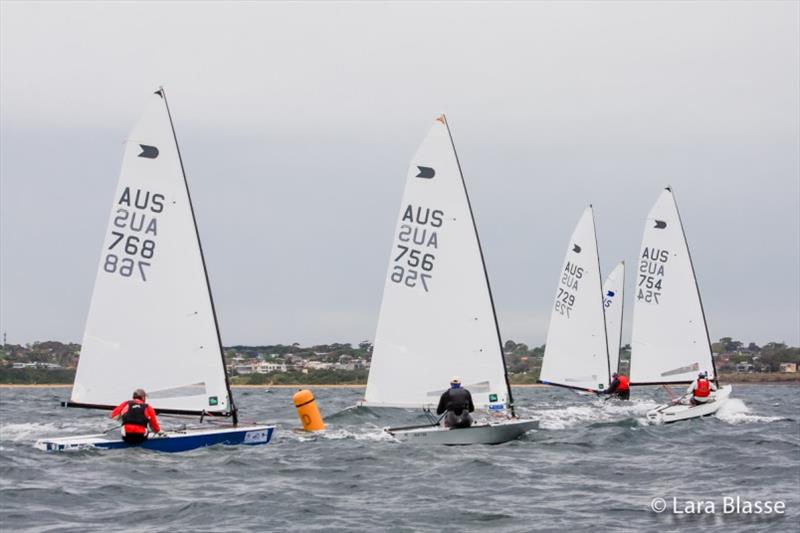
pixel 297 123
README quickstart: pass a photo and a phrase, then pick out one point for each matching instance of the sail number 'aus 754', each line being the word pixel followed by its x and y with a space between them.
pixel 413 257
pixel 133 233
pixel 651 274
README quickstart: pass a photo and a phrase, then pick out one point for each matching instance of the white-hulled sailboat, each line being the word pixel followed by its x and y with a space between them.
pixel 670 343
pixel 437 317
pixel 613 303
pixel 576 352
pixel 152 322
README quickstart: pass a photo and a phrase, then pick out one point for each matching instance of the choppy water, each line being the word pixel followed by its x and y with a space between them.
pixel 590 466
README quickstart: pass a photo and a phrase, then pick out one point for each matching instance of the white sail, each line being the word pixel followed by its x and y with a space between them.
pixel 151 323
pixel 670 342
pixel 613 302
pixel 576 353
pixel 437 318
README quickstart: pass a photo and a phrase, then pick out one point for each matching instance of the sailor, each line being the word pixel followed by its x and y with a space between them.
pixel 619 387
pixel 136 415
pixel 701 388
pixel 458 404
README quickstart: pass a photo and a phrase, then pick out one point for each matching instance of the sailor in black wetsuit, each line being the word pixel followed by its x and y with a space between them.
pixel 458 404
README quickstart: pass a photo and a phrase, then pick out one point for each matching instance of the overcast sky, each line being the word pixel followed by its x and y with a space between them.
pixel 297 123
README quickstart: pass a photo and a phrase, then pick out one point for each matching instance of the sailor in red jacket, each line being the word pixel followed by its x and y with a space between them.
pixel 136 415
pixel 701 389
pixel 620 387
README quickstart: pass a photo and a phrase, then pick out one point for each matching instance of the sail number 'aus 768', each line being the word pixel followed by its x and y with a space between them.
pixel 414 258
pixel 133 233
pixel 651 274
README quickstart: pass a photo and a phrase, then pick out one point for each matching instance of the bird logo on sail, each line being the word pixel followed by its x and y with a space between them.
pixel 150 152
pixel 660 224
pixel 576 248
pixel 611 294
pixel 426 172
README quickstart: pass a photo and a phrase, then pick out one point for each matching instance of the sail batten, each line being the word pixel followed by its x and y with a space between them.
pixel 151 321
pixel 670 342
pixel 576 352
pixel 437 317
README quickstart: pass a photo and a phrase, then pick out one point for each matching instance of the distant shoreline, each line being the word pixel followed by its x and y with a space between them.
pixel 776 380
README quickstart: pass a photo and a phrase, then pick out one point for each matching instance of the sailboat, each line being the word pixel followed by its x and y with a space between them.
pixel 437 317
pixel 151 321
pixel 613 302
pixel 576 352
pixel 670 343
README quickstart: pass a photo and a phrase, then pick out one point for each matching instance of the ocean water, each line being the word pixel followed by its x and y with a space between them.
pixel 590 465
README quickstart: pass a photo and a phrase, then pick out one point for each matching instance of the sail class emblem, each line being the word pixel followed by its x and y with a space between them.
pixel 150 152
pixel 660 224
pixel 576 248
pixel 426 172
pixel 611 294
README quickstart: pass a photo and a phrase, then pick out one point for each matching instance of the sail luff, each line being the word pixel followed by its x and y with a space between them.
pixel 483 264
pixel 696 285
pixel 233 410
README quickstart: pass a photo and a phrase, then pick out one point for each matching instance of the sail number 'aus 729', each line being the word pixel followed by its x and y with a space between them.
pixel 133 234
pixel 568 288
pixel 414 257
pixel 651 274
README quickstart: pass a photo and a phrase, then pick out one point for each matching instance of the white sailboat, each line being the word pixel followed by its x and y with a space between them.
pixel 613 303
pixel 152 322
pixel 437 316
pixel 576 352
pixel 670 343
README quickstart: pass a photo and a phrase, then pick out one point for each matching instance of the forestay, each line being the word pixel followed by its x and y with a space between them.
pixel 613 302
pixel 576 353
pixel 437 318
pixel 670 341
pixel 151 322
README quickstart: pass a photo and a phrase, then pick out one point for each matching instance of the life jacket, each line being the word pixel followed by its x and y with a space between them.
pixel 703 388
pixel 458 400
pixel 623 383
pixel 135 414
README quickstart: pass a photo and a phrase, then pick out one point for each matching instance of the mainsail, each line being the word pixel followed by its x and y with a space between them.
pixel 437 318
pixel 613 302
pixel 152 323
pixel 670 342
pixel 576 353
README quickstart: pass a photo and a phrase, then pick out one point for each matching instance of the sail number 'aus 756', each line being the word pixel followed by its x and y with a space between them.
pixel 651 274
pixel 133 233
pixel 413 257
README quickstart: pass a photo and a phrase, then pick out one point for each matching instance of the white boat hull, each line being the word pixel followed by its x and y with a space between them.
pixel 172 441
pixel 674 412
pixel 493 433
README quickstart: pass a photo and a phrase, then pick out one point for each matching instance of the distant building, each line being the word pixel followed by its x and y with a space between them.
pixel 789 368
pixel 43 366
pixel 744 367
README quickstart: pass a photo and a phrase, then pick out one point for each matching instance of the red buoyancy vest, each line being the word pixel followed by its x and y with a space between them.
pixel 623 383
pixel 703 388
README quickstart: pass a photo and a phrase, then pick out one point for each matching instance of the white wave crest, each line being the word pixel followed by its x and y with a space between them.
pixel 734 411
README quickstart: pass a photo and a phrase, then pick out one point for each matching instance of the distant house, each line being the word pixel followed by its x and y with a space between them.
pixel 265 367
pixel 44 366
pixel 244 370
pixel 788 368
pixel 744 367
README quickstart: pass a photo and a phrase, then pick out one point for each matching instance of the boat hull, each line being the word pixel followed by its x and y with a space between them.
pixel 494 433
pixel 668 413
pixel 173 441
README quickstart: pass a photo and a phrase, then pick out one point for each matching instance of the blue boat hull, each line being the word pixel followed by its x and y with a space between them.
pixel 173 441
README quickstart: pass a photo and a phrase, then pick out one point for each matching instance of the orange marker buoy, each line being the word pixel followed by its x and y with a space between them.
pixel 308 411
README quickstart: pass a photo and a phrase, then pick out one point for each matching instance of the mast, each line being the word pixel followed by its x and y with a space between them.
pixel 234 411
pixel 443 119
pixel 696 286
pixel 600 278
pixel 621 317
